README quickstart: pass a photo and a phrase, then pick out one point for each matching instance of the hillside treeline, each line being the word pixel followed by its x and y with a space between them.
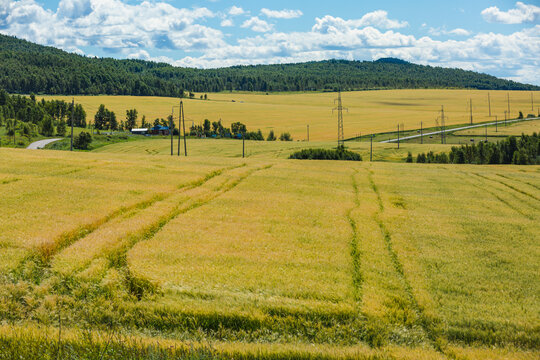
pixel 26 67
pixel 29 117
pixel 524 150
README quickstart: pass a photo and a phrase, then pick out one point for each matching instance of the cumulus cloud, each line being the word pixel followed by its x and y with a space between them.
pixel 110 24
pixel 226 22
pixel 443 31
pixel 522 13
pixel 378 19
pixel 256 24
pixel 282 14
pixel 74 8
pixel 235 10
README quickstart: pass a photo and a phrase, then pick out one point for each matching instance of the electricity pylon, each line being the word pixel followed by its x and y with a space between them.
pixel 340 108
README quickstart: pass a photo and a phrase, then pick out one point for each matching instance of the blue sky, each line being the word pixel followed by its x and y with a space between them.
pixel 501 38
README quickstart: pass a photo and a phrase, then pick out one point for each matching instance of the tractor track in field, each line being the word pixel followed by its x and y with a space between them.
pixel 435 338
pixel 355 252
pixel 117 257
pixel 503 201
pixel 47 251
pixel 510 187
pixel 519 181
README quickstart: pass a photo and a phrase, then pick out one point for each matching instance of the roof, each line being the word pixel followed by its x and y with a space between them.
pixel 141 129
pixel 159 127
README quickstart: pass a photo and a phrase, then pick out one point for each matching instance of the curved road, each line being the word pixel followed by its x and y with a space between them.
pixel 500 122
pixel 41 144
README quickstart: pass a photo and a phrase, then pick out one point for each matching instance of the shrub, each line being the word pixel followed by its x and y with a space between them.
pixel 326 154
pixel 82 141
pixel 285 137
pixel 271 136
pixel 409 157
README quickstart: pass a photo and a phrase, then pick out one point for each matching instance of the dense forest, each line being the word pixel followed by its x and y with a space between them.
pixel 30 68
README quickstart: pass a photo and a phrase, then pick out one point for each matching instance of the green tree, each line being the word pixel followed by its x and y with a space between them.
pixel 101 118
pixel 131 119
pixel 271 136
pixel 61 128
pixel 82 141
pixel 285 137
pixel 47 126
pixel 11 128
pixel 409 157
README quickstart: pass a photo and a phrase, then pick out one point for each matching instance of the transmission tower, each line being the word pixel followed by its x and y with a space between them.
pixel 340 108
pixel 442 120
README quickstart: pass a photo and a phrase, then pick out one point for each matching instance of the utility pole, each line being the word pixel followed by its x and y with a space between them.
pixel 489 105
pixel 398 136
pixel 496 127
pixel 471 110
pixel 171 131
pixel 371 149
pixel 505 112
pixel 72 112
pixel 340 109
pixel 508 99
pixel 183 126
pixel 421 134
pixel 486 132
pixel 172 128
pixel 179 134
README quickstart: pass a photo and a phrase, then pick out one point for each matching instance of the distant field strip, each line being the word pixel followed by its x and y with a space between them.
pixel 369 111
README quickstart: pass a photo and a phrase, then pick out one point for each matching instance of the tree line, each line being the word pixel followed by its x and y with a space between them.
pixel 26 67
pixel 30 117
pixel 523 150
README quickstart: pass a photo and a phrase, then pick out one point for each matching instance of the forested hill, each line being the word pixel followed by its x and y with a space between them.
pixel 30 68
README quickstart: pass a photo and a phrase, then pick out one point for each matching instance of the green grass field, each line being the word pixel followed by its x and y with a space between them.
pixel 119 254
pixel 368 111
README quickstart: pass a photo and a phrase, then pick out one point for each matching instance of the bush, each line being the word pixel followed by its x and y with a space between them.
pixel 285 137
pixel 409 157
pixel 271 136
pixel 82 141
pixel 326 154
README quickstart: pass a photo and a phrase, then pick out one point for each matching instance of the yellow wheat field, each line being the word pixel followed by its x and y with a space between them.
pixel 368 111
pixel 269 257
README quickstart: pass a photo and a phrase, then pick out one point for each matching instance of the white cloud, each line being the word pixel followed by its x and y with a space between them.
pixel 110 24
pixel 378 19
pixel 227 22
pixel 460 32
pixel 74 8
pixel 235 10
pixel 282 14
pixel 523 13
pixel 443 31
pixel 256 24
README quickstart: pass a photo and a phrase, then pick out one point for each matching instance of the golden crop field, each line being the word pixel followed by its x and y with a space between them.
pixel 263 149
pixel 516 129
pixel 368 111
pixel 221 257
